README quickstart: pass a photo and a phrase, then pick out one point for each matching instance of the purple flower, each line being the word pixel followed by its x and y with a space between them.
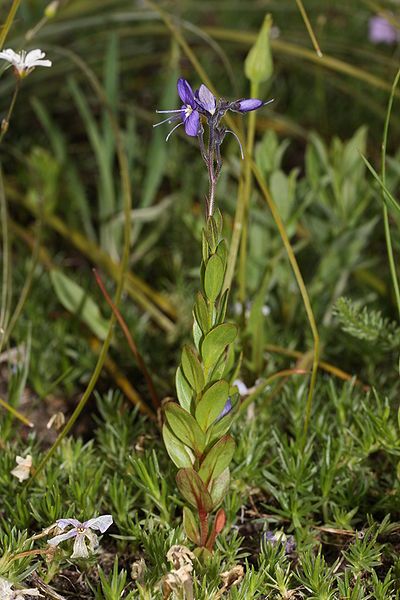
pixel 206 99
pixel 246 105
pixel 188 114
pixel 280 538
pixel 202 102
pixel 381 31
pixel 227 408
pixel 80 531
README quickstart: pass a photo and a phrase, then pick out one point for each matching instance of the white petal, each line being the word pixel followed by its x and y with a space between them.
pixel 93 540
pixel 11 56
pixel 63 523
pixel 30 592
pixel 101 523
pixel 64 536
pixel 40 63
pixel 23 468
pixel 34 55
pixel 6 592
pixel 80 550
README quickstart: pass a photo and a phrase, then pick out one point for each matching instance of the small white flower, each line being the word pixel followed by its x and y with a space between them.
pixel 23 468
pixel 80 531
pixel 24 62
pixel 7 593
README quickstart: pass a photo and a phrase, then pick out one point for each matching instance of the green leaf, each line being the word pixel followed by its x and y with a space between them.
pixel 190 526
pixel 222 306
pixel 212 404
pixel 184 426
pixel 219 487
pixel 180 454
pixel 193 490
pixel 183 390
pixel 201 313
pixel 389 199
pixel 76 301
pixel 211 234
pixel 213 277
pixel 197 335
pixel 192 369
pixel 217 459
pixel 222 252
pixel 216 341
pixel 218 429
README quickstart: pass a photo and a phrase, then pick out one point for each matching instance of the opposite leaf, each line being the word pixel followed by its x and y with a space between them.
pixel 219 487
pixel 217 459
pixel 190 526
pixel 212 404
pixel 213 277
pixel 193 490
pixel 180 454
pixel 216 341
pixel 192 369
pixel 184 426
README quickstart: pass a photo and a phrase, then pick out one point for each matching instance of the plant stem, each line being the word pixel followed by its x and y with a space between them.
pixel 386 224
pixel 245 199
pixel 309 28
pixel 9 22
pixel 303 291
pixel 6 121
pixel 203 517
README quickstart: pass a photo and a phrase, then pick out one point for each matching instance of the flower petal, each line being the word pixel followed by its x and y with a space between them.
pixel 5 588
pixel 93 540
pixel 227 408
pixel 80 549
pixel 34 55
pixel 11 56
pixel 101 523
pixel 64 536
pixel 192 123
pixel 63 523
pixel 185 92
pixel 206 99
pixel 249 104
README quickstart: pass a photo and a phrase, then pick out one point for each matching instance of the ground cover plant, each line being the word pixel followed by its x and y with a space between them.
pixel 199 318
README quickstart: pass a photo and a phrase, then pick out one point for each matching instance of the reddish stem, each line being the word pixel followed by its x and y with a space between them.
pixel 203 517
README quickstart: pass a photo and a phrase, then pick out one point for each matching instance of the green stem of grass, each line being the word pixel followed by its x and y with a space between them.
pixel 245 200
pixel 6 275
pixel 303 291
pixel 388 237
pixel 9 21
pixel 309 28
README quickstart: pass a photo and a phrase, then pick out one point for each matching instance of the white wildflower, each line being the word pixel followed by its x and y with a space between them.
pixel 24 62
pixel 7 593
pixel 80 531
pixel 23 468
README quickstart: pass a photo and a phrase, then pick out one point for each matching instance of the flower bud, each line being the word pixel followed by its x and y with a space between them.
pixel 258 65
pixel 51 9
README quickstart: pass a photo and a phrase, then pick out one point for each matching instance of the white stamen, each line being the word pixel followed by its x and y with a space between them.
pixel 240 145
pixel 168 120
pixel 169 111
pixel 172 131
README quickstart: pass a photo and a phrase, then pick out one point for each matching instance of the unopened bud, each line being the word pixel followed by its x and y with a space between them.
pixel 258 65
pixel 4 128
pixel 51 9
